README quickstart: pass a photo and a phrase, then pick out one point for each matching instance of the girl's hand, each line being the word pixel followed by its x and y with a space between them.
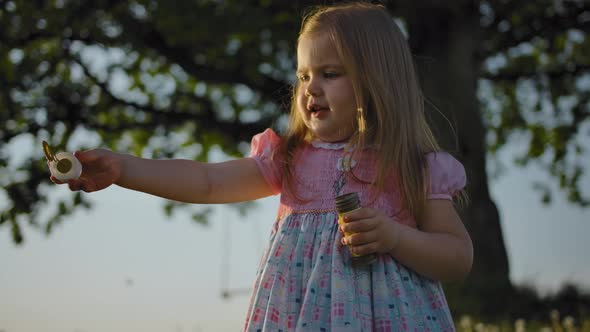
pixel 100 169
pixel 369 231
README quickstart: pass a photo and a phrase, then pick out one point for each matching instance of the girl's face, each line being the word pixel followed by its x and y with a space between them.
pixel 325 96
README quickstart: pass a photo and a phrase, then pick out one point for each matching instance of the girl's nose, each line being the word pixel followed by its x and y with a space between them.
pixel 312 89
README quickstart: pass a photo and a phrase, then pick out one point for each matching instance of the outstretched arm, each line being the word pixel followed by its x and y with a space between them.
pixel 195 182
pixel 176 179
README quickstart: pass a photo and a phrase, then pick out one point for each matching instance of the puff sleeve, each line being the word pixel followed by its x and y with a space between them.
pixel 262 149
pixel 446 175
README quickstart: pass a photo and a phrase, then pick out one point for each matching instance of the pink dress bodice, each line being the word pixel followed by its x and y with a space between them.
pixel 324 170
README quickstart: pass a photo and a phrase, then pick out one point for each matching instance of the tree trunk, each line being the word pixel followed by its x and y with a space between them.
pixel 444 41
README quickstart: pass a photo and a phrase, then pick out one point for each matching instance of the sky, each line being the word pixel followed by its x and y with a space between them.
pixel 124 266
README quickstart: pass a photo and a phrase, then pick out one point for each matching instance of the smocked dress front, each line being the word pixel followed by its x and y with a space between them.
pixel 305 281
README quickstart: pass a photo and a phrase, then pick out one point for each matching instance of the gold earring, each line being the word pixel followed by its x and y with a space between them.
pixel 361 120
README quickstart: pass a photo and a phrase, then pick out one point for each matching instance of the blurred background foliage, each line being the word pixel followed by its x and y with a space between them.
pixel 183 78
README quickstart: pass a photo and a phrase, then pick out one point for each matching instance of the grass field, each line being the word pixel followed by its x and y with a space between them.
pixel 553 323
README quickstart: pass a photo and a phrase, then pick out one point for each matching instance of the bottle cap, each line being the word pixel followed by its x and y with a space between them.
pixel 347 202
pixel 64 165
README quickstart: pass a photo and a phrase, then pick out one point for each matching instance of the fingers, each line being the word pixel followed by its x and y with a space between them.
pixel 362 213
pixel 74 185
pixel 361 236
pixel 84 156
pixel 364 249
pixel 361 244
pixel 359 226
pixel 81 184
pixel 361 220
pixel 368 231
pixel 55 180
pixel 359 239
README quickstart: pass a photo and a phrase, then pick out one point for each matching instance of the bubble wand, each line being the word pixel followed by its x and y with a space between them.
pixel 63 166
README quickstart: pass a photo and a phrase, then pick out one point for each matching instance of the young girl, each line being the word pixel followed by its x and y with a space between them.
pixel 356 125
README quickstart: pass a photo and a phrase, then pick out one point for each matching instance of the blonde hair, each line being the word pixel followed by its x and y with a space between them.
pixel 377 59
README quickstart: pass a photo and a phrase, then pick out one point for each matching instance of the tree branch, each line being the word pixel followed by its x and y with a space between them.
pixel 513 75
pixel 537 26
pixel 267 86
pixel 234 130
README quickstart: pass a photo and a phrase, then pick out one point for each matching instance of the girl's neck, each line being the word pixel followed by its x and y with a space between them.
pixel 328 145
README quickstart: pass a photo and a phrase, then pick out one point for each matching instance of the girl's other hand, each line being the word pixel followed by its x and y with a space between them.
pixel 370 231
pixel 100 169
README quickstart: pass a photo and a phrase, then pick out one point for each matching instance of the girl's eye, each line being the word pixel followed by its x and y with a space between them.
pixel 327 75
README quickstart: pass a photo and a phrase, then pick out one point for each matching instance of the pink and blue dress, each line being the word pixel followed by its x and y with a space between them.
pixel 305 281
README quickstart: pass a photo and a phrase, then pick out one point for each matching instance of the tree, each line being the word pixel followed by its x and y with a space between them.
pixel 158 77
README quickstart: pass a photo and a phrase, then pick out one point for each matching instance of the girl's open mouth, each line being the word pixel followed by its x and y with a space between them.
pixel 317 111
